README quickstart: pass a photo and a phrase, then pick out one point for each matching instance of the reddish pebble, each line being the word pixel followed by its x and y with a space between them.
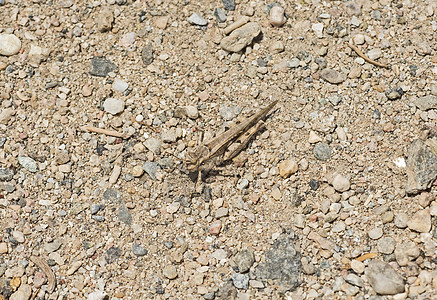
pixel 23 135
pixel 215 228
pixel 39 279
pixel 313 218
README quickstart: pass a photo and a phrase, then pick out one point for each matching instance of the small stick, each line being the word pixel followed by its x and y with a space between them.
pixel 103 131
pixel 40 263
pixel 361 54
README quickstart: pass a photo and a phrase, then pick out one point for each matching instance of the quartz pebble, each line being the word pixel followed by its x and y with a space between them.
pixel 9 44
pixel 277 16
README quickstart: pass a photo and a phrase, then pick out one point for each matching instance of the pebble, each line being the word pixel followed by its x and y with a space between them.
pixel 354 280
pixel 154 145
pixel 341 183
pixel 401 220
pixel 229 4
pixel 162 22
pixel 386 245
pixel 87 91
pixel 124 215
pixel 147 54
pixel 420 221
pixel 374 54
pixel 221 212
pixel 10 44
pixel 322 151
pixel 23 293
pixel 332 76
pixel 287 167
pixel 242 184
pixel 101 67
pixel 215 227
pixel 229 112
pixel 94 208
pixel 53 246
pixel 406 252
pixel 220 15
pixel 240 281
pixel 39 279
pixel 113 106
pixel 244 260
pixel 426 102
pixel 277 47
pixel 28 163
pixel 358 39
pixel 394 94
pixel 314 138
pixel 318 29
pixel 104 19
pixel 277 16
pixel 151 168
pixel 3 248
pixel 138 250
pixel 197 19
pixel 119 85
pixel 357 266
pixel 384 279
pixel 192 112
pixel 6 174
pixel 241 37
pixel 352 8
pixel 219 254
pixel 98 295
pixel 375 233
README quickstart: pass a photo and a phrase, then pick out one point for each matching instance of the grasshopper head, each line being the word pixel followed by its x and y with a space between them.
pixel 195 157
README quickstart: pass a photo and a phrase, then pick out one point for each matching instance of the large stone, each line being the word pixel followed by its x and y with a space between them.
pixel 241 37
pixel 427 102
pixel 384 279
pixel 421 166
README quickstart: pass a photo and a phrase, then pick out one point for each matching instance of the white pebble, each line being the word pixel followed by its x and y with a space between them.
pixel 9 44
pixel 113 106
pixel 277 17
pixel 99 295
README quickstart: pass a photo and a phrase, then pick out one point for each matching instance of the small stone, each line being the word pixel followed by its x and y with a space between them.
pixel 314 184
pixel 401 220
pixel 94 208
pixel 161 22
pixel 221 212
pixel 169 136
pixel 341 183
pixel 421 221
pixel 87 91
pixel 104 19
pixel 23 293
pixel 229 113
pixel 332 76
pixel 39 279
pixel 242 184
pixel 3 248
pixel 98 295
pixel 101 67
pixel 384 279
pixel 322 151
pixel 406 252
pixel 353 8
pixel 215 227
pixel 192 112
pixel 395 93
pixel 314 138
pixel 287 167
pixel 53 246
pixel 244 260
pixel 28 163
pixel 170 272
pixel 220 15
pixel 375 233
pixel 358 39
pixel 240 281
pixel 119 85
pixel 37 54
pixel 10 44
pixel 357 266
pixel 277 47
pixel 219 254
pixel 318 29
pixel 138 250
pixel 374 53
pixel 229 4
pixel 147 54
pixel 113 254
pixel 426 102
pixel 354 280
pixel 151 168
pixel 197 19
pixel 5 115
pixel 386 245
pixel 113 106
pixel 124 215
pixel 277 16
pixel 240 37
pixel 6 174
pixel 137 171
pixel 154 145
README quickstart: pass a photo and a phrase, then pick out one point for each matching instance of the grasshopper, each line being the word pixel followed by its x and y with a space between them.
pixel 241 131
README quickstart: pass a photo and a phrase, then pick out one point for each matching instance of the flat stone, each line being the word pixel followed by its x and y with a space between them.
pixel 401 220
pixel 23 293
pixel 113 254
pixel 10 44
pixel 318 29
pixel 104 19
pixel 281 264
pixel 386 245
pixel 138 250
pixel 240 281
pixel 221 212
pixel 120 85
pixel 197 19
pixel 332 76
pixel 427 102
pixel 287 167
pixel 192 112
pixel 220 15
pixel 151 168
pixel 154 145
pixel 277 16
pixel 354 280
pixel 406 252
pixel 101 67
pixel 384 279
pixel 374 53
pixel 229 4
pixel 28 163
pixel 341 183
pixel 98 295
pixel 420 221
pixel 357 266
pixel 241 37
pixel 147 54
pixel 6 174
pixel 375 233
pixel 113 106
pixel 53 246
pixel 219 254
pixel 124 215
pixel 421 167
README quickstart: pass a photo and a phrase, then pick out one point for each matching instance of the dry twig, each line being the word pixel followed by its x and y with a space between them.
pixel 103 131
pixel 40 263
pixel 361 54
